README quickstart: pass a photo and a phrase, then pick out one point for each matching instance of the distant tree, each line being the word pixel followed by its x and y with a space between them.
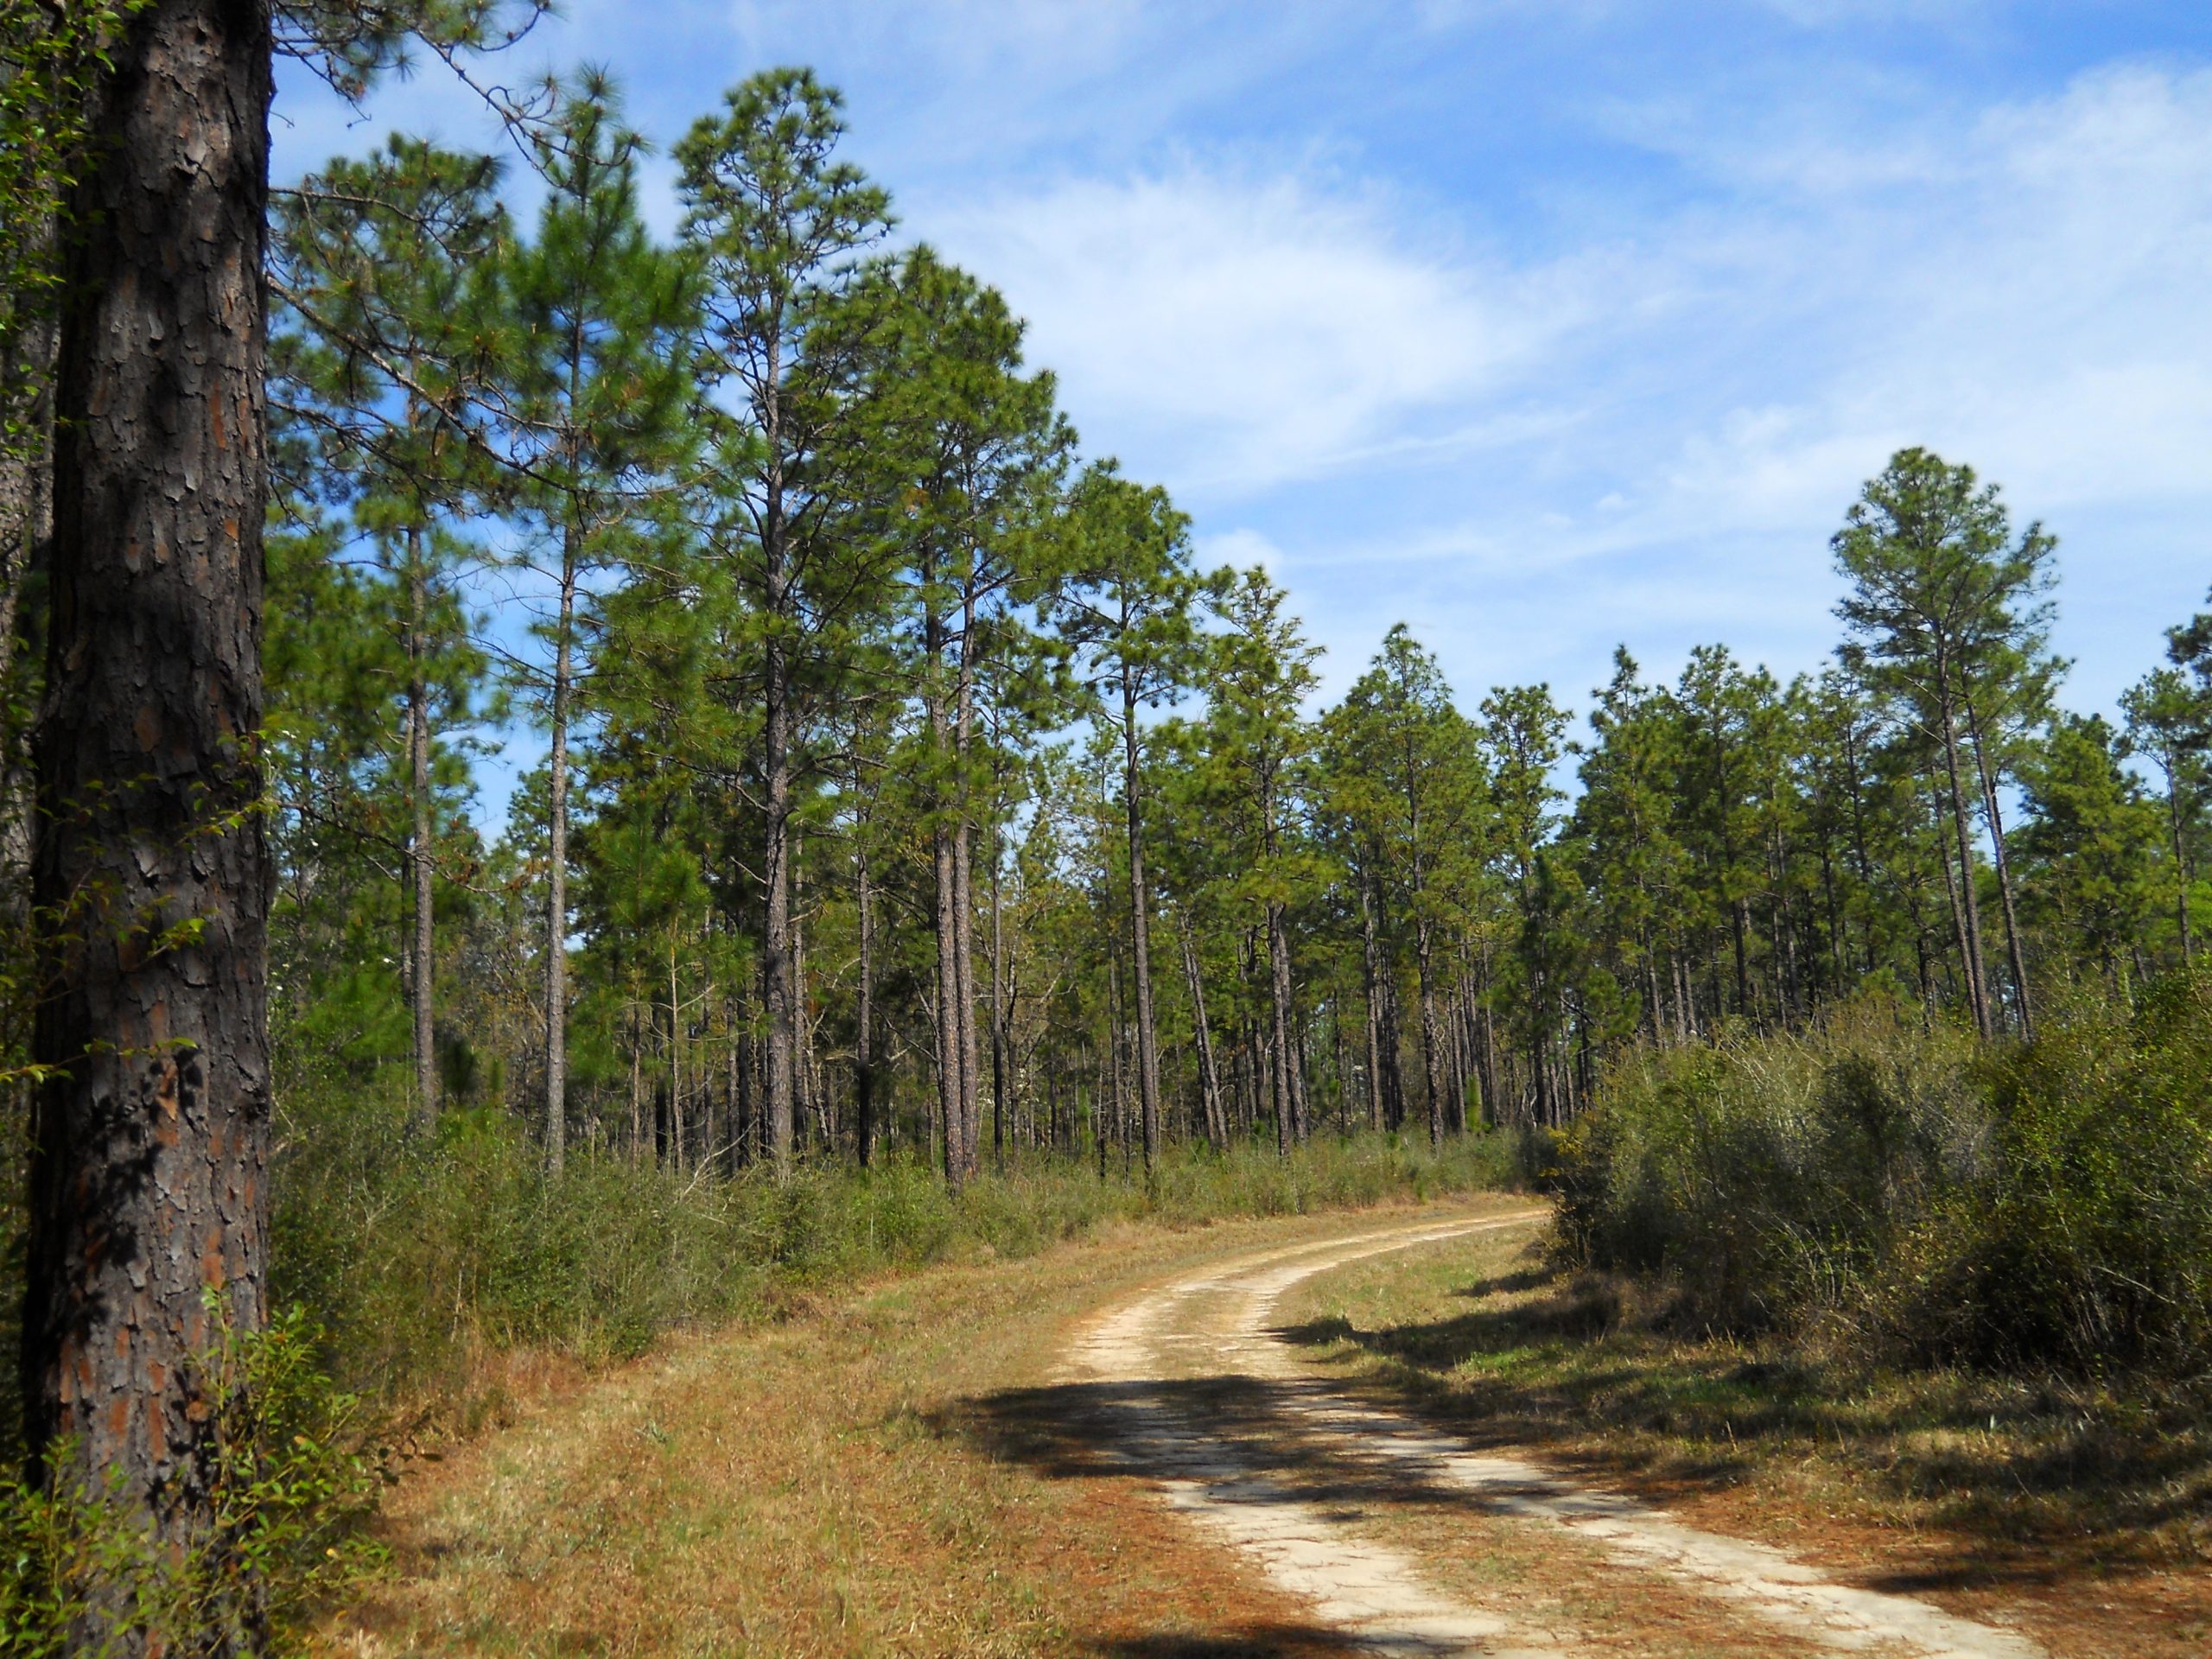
pixel 780 227
pixel 1946 605
pixel 1522 735
pixel 382 265
pixel 2092 841
pixel 1124 606
pixel 2170 721
pixel 1259 673
pixel 596 321
pixel 1402 771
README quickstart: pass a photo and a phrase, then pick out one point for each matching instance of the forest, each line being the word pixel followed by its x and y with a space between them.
pixel 908 835
pixel 908 785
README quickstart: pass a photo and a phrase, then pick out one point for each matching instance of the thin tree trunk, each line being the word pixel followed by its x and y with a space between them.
pixel 557 874
pixel 420 852
pixel 1370 973
pixel 864 1034
pixel 2014 955
pixel 1001 1061
pixel 1139 928
pixel 948 1011
pixel 149 1177
pixel 1970 905
pixel 1208 1077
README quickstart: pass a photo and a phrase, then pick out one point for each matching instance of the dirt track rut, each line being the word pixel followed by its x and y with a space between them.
pixel 1154 1359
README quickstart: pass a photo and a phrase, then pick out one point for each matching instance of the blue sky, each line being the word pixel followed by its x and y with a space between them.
pixel 1542 325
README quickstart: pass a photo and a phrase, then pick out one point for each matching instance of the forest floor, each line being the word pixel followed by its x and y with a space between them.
pixel 1395 1431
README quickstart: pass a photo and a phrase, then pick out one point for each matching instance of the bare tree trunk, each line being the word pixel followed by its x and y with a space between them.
pixel 1001 1061
pixel 2015 958
pixel 950 1093
pixel 148 1179
pixel 26 528
pixel 1140 927
pixel 557 874
pixel 1969 904
pixel 1208 1077
pixel 864 1033
pixel 1371 973
pixel 1431 1038
pixel 420 857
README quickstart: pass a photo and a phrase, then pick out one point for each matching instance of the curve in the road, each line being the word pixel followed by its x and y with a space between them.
pixel 1213 1326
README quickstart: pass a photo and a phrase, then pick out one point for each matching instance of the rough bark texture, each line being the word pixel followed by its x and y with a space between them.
pixel 864 1023
pixel 149 1177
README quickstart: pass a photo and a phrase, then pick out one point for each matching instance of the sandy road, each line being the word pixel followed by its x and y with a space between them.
pixel 1193 1388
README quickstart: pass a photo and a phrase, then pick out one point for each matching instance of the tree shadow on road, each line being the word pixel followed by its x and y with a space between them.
pixel 2035 1480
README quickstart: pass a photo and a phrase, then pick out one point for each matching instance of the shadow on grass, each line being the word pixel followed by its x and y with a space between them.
pixel 2037 1479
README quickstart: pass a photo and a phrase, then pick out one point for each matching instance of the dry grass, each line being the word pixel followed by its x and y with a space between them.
pixel 807 1489
pixel 2087 1512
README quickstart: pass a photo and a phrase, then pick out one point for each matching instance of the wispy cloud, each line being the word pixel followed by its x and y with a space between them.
pixel 1234 331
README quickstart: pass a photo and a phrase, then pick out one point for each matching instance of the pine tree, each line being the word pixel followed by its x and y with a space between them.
pixel 595 324
pixel 780 227
pixel 1124 605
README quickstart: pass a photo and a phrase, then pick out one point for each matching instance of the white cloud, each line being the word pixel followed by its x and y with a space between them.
pixel 1242 331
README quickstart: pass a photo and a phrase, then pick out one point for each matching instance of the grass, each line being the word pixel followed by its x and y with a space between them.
pixel 2088 1510
pixel 809 1487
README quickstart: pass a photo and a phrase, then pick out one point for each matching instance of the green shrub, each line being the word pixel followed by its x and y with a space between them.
pixel 296 1473
pixel 2044 1203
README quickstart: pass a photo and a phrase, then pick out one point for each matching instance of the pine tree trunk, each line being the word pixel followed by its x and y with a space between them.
pixel 26 528
pixel 1147 1056
pixel 2015 958
pixel 1370 973
pixel 420 861
pixel 1209 1075
pixel 148 1179
pixel 948 1010
pixel 1000 1059
pixel 1969 904
pixel 1431 1037
pixel 776 878
pixel 557 874
pixel 864 1031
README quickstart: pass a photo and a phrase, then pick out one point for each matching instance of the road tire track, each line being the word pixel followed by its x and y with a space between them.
pixel 1215 1325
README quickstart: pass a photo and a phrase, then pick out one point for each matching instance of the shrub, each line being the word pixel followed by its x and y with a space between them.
pixel 296 1475
pixel 2041 1203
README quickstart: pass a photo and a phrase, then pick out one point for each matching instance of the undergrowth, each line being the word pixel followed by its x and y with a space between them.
pixel 2020 1207
pixel 417 1257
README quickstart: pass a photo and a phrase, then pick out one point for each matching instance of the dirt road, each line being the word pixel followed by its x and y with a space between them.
pixel 1187 1388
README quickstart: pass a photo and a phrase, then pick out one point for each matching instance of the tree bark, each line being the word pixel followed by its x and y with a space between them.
pixel 149 1174
pixel 1370 972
